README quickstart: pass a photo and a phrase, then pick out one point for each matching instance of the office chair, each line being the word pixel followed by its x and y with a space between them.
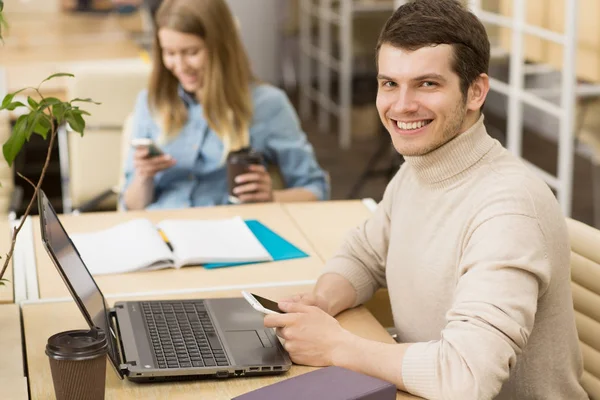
pixel 371 171
pixel 585 283
pixel 91 166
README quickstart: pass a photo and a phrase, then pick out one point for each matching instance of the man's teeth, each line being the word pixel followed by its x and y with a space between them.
pixel 407 126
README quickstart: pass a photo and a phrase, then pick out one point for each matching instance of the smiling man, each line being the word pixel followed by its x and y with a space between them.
pixel 471 244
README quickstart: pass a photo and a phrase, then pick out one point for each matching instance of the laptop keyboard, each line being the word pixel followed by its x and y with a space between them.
pixel 183 335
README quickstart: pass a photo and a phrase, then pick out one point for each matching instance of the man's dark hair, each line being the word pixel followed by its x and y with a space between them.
pixel 421 23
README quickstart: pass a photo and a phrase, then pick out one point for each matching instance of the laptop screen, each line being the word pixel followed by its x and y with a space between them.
pixel 80 282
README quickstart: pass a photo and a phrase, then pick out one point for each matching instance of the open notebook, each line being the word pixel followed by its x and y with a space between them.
pixel 138 245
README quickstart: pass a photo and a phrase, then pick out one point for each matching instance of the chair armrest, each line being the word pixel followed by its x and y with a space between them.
pixel 91 205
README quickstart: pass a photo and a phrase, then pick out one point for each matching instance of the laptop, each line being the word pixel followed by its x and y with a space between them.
pixel 166 340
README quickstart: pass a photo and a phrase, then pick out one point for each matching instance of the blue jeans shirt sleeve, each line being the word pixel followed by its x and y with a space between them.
pixel 277 133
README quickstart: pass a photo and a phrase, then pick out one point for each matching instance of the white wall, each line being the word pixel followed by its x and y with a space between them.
pixel 259 28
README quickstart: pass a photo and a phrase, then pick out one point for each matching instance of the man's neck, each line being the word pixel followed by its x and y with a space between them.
pixel 470 119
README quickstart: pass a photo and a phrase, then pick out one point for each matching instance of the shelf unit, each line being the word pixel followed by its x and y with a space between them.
pixel 562 183
pixel 328 13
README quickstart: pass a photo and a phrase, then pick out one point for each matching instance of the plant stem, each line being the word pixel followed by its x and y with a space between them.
pixel 33 198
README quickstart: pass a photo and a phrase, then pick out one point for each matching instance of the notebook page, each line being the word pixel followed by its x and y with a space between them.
pixel 198 242
pixel 126 247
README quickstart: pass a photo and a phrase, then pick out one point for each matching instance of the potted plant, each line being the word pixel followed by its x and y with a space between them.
pixel 40 116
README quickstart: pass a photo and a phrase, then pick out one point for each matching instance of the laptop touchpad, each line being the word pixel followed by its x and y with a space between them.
pixel 249 348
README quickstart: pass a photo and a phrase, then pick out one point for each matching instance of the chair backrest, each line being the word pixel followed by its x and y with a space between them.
pixel 95 161
pixel 113 83
pixel 585 283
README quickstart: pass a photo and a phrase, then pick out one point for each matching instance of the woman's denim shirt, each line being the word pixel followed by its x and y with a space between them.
pixel 199 177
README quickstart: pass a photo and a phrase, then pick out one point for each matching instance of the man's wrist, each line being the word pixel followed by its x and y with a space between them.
pixel 342 353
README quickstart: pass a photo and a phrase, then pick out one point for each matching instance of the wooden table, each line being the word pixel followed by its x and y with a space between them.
pixel 43 320
pixel 38 45
pixel 272 215
pixel 7 290
pixel 325 224
pixel 13 384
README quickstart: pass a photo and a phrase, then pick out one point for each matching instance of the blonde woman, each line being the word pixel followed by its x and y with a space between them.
pixel 202 103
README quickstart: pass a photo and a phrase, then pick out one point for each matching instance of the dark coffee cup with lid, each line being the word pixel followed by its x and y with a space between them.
pixel 238 163
pixel 78 364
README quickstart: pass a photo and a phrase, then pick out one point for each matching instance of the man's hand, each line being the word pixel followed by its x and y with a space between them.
pixel 310 299
pixel 312 337
pixel 254 186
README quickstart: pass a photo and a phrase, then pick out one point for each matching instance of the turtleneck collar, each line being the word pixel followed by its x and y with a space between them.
pixel 449 161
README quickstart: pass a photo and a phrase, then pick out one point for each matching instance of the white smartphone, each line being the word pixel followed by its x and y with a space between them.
pixel 153 149
pixel 261 304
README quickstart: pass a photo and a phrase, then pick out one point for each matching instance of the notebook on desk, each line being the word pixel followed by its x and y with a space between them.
pixel 140 245
pixel 331 383
pixel 168 339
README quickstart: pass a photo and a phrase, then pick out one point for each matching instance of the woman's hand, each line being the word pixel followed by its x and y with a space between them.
pixel 255 186
pixel 146 167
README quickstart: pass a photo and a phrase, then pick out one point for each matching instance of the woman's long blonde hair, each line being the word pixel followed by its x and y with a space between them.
pixel 225 94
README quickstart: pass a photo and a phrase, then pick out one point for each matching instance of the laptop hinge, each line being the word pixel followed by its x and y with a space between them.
pixel 114 323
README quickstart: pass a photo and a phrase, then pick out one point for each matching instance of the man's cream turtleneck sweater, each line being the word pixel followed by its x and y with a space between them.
pixel 474 251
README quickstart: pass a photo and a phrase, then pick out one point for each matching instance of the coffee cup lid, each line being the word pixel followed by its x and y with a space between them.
pixel 77 344
pixel 245 155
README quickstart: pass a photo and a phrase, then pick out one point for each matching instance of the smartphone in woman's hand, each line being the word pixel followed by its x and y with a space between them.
pixel 153 149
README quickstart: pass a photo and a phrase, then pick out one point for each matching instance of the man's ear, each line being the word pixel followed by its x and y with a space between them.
pixel 478 92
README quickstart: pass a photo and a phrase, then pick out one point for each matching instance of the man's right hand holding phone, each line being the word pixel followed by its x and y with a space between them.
pixel 147 165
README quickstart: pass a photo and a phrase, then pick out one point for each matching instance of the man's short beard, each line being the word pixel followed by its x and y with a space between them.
pixel 451 130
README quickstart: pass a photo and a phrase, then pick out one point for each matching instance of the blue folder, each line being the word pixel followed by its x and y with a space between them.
pixel 278 247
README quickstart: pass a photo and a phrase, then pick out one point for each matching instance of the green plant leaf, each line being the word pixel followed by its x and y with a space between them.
pixel 57 75
pixel 3 24
pixel 32 103
pixel 37 122
pixel 13 105
pixel 58 112
pixel 49 101
pixel 42 125
pixel 85 101
pixel 15 142
pixel 75 120
pixel 9 98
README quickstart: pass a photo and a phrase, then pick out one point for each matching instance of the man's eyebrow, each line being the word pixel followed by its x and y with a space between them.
pixel 384 77
pixel 426 77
